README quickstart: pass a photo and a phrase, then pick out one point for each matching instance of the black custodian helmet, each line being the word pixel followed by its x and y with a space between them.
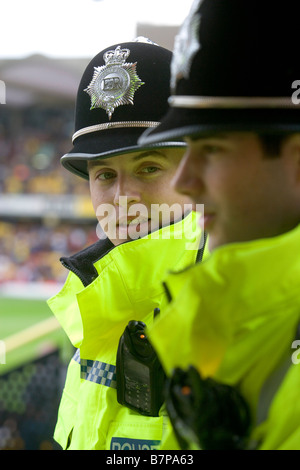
pixel 235 67
pixel 123 90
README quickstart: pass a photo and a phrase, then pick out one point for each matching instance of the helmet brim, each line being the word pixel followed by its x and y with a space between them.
pixel 99 145
pixel 179 123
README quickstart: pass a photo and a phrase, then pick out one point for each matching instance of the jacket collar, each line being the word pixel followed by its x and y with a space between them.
pixel 82 263
pixel 246 290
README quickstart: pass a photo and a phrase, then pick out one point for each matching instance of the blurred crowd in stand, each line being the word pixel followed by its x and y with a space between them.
pixel 32 140
pixel 30 251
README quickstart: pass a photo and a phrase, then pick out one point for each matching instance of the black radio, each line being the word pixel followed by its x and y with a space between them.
pixel 140 376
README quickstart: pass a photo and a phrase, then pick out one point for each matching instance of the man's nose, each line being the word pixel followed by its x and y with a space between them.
pixel 127 192
pixel 188 179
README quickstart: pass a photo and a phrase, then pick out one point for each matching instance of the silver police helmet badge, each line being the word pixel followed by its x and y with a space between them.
pixel 115 83
pixel 186 45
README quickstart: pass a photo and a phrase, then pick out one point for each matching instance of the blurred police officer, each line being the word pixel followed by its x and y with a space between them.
pixel 234 99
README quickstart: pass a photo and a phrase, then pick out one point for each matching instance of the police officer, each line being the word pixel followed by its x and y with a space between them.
pixel 234 99
pixel 145 228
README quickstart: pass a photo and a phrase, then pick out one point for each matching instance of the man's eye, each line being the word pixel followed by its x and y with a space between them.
pixel 150 169
pixel 208 149
pixel 107 175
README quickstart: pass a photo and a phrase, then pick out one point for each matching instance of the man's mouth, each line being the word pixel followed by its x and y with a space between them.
pixel 132 221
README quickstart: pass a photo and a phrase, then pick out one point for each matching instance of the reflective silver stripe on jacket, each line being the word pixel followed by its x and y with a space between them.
pixel 96 371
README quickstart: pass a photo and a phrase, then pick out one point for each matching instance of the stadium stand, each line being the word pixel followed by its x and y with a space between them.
pixel 45 213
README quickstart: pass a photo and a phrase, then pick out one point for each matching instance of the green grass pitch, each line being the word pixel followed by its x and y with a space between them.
pixel 17 315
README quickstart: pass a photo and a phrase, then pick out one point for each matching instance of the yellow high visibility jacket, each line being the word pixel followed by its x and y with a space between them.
pixel 94 307
pixel 235 319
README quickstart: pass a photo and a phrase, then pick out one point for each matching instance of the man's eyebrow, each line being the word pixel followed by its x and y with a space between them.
pixel 94 163
pixel 138 156
pixel 149 153
pixel 215 135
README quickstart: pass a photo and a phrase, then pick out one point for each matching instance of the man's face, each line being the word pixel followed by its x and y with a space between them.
pixel 246 195
pixel 132 194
